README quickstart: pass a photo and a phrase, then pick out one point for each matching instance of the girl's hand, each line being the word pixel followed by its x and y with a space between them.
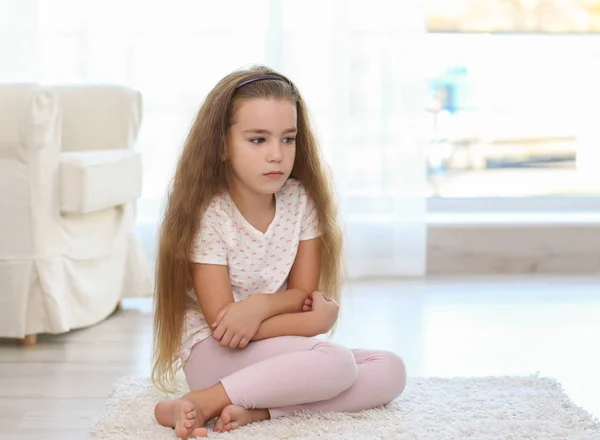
pixel 237 323
pixel 307 306
pixel 325 310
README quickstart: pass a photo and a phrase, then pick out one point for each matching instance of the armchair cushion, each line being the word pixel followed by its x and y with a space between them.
pixel 100 179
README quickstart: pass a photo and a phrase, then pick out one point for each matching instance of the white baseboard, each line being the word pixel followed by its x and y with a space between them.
pixel 514 248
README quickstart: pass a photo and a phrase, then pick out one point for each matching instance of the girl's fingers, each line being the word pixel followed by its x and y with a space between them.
pixel 219 331
pixel 220 316
pixel 226 339
pixel 235 341
pixel 307 306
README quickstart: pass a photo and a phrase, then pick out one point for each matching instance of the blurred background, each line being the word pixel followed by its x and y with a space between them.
pixel 512 101
pixel 441 106
pixel 513 97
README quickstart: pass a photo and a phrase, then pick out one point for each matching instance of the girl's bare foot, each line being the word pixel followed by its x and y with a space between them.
pixel 232 417
pixel 182 416
pixel 189 414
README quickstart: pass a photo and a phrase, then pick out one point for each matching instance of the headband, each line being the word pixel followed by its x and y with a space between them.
pixel 260 78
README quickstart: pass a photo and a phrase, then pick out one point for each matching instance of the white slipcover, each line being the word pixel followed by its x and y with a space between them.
pixel 96 180
pixel 62 269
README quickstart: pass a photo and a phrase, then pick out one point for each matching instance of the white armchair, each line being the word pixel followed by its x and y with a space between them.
pixel 69 178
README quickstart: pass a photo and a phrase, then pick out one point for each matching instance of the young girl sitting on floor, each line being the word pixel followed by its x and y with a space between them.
pixel 249 270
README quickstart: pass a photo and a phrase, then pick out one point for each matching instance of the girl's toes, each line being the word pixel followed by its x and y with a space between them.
pixel 199 432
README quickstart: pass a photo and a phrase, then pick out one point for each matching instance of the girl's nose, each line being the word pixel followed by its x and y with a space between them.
pixel 275 153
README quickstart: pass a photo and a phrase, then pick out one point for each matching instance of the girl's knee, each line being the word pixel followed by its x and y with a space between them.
pixel 341 362
pixel 198 379
pixel 396 371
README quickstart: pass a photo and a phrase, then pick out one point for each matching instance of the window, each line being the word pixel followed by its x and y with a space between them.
pixel 513 98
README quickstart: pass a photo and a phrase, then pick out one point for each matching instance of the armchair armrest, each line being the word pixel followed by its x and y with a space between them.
pixel 95 180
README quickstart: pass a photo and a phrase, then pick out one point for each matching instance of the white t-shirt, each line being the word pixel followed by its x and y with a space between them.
pixel 257 262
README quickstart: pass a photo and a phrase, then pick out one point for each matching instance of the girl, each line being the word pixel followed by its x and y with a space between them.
pixel 251 234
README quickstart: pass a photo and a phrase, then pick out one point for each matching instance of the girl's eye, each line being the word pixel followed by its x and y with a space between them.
pixel 289 140
pixel 257 140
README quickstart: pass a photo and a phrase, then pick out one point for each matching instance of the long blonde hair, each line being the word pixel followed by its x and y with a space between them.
pixel 201 174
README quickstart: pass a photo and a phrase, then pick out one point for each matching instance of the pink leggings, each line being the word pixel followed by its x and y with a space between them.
pixel 293 373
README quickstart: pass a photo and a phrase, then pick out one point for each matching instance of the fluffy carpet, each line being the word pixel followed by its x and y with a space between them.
pixel 430 408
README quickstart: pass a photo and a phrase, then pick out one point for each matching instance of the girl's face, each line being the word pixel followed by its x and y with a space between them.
pixel 262 144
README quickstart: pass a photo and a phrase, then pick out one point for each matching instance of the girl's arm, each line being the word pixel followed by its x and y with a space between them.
pixel 237 324
pixel 213 290
pixel 318 321
pixel 212 287
pixel 303 280
pixel 289 324
pixel 288 301
pixel 306 270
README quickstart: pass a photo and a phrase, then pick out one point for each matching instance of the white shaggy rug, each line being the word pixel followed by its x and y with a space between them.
pixel 430 408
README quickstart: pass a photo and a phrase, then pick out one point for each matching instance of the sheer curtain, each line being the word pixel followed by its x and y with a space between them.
pixel 357 63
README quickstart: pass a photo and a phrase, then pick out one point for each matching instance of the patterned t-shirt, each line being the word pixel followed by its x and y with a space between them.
pixel 257 262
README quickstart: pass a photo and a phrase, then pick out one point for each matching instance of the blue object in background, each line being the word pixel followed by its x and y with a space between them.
pixel 453 85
